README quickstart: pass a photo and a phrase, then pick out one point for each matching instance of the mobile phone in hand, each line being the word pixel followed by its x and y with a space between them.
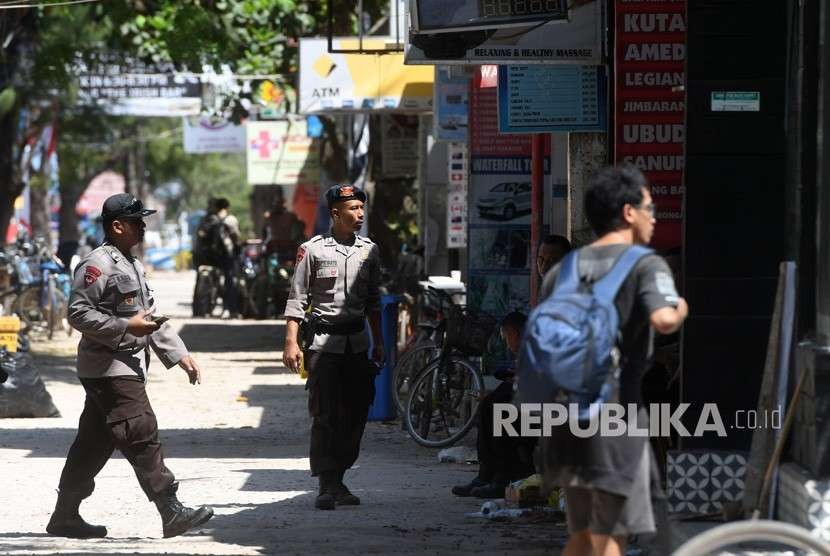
pixel 159 320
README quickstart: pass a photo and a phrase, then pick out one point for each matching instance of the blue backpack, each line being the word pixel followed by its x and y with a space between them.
pixel 569 351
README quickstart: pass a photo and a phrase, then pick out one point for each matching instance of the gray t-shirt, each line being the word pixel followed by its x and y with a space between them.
pixel 612 463
pixel 649 286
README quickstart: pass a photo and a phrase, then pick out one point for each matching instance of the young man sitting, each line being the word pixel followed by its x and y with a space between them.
pixel 501 458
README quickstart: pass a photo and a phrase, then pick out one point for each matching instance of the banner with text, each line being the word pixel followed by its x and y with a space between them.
pixel 650 106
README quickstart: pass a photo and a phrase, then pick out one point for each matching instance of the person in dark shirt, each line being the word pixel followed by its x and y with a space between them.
pixel 552 249
pixel 501 458
pixel 611 483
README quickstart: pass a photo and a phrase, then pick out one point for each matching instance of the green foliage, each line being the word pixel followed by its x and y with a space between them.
pixel 248 36
pixel 7 100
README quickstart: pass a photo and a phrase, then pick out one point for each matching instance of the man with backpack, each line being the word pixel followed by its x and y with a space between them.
pixel 590 341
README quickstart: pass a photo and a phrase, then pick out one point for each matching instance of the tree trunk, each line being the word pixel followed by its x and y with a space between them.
pixel 39 203
pixel 9 188
pixel 68 218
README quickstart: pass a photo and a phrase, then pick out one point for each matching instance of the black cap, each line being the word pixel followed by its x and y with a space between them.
pixel 344 193
pixel 124 205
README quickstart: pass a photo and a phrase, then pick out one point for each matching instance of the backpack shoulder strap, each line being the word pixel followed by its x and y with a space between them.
pixel 568 280
pixel 606 289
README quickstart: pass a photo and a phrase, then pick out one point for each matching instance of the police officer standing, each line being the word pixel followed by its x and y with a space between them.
pixel 338 276
pixel 112 306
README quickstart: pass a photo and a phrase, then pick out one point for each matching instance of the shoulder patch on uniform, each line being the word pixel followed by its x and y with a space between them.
pixel 300 254
pixel 91 274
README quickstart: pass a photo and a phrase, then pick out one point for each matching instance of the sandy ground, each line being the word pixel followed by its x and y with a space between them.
pixel 238 442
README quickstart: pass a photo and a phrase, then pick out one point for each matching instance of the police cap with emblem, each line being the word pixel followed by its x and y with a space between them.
pixel 344 193
pixel 124 205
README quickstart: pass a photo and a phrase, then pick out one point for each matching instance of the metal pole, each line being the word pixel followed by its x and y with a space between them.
pixel 537 207
pixel 823 186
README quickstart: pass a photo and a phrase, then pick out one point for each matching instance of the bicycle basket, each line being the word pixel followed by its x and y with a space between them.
pixel 468 330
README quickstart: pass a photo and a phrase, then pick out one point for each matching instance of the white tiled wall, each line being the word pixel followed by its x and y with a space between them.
pixel 803 500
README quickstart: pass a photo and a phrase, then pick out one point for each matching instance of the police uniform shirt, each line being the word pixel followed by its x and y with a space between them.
pixel 341 283
pixel 108 288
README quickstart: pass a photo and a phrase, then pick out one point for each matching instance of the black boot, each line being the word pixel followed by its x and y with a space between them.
pixel 325 498
pixel 493 489
pixel 67 522
pixel 466 490
pixel 342 495
pixel 176 518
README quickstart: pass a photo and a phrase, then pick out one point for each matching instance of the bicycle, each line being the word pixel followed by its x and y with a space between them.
pixel 443 403
pixel 41 302
pixel 751 531
pixel 421 348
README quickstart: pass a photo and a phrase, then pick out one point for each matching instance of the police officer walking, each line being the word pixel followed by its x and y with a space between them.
pixel 112 306
pixel 337 275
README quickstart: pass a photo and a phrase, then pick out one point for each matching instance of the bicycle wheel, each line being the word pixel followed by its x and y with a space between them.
pixel 407 367
pixel 752 531
pixel 443 403
pixel 27 307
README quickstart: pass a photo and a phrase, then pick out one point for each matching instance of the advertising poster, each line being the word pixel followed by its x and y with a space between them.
pixel 349 82
pixel 498 237
pixel 205 135
pixel 577 40
pixel 281 152
pixel 399 148
pixel 650 110
pixel 457 196
pixel 451 105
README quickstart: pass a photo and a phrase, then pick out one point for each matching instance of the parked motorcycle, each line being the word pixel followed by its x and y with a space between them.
pixel 271 287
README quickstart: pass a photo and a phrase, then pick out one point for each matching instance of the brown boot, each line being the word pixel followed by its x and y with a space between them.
pixel 67 522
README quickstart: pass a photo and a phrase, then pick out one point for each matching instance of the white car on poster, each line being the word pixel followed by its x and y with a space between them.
pixel 505 201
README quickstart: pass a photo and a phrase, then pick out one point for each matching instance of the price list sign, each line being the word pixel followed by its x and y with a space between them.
pixel 542 99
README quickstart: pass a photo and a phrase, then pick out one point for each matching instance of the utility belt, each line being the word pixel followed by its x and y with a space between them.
pixel 312 326
pixel 341 328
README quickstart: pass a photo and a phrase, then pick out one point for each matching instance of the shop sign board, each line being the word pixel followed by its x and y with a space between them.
pixel 281 152
pixel 649 122
pixel 130 87
pixel 360 82
pixel 207 135
pixel 576 40
pixel 733 101
pixel 546 99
